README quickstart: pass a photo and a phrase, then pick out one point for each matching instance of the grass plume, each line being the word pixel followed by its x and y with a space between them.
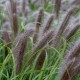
pixel 71 64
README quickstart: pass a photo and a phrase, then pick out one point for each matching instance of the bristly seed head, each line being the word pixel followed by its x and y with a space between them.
pixel 19 52
pixel 71 65
pixel 38 24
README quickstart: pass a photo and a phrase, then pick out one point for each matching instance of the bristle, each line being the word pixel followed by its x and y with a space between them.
pixel 20 45
pixel 14 17
pixel 48 24
pixel 75 50
pixel 11 2
pixel 5 34
pixel 65 21
pixel 19 52
pixel 38 24
pixel 26 11
pixel 15 24
pixel 30 27
pixel 13 6
pixel 71 69
pixel 39 19
pixel 47 37
pixel 72 31
pixel 23 5
pixel 57 7
pixel 71 64
pixel 68 72
pixel 8 8
pixel 40 60
pixel 6 38
pixel 5 19
pixel 62 27
pixel 25 14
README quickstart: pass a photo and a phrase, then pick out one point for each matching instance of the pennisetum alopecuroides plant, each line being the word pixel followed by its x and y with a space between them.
pixel 49 35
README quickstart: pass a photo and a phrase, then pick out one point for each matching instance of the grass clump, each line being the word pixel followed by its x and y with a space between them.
pixel 39 45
